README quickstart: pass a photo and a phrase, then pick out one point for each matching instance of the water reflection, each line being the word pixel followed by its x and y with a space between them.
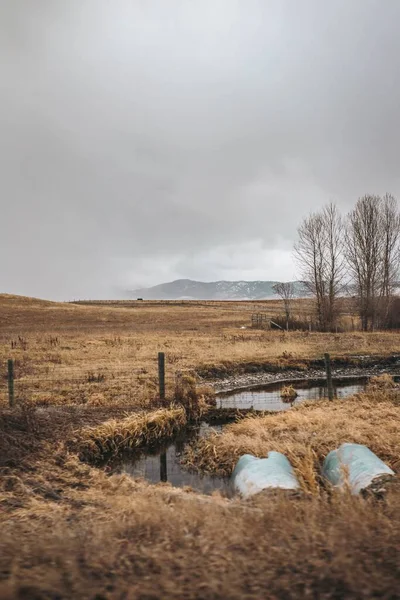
pixel 164 465
pixel 269 397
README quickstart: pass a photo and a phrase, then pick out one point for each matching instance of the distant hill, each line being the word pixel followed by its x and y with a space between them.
pixel 186 289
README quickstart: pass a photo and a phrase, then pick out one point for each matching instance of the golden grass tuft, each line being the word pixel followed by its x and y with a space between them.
pixel 134 432
pixel 288 393
pixel 196 400
pixel 384 381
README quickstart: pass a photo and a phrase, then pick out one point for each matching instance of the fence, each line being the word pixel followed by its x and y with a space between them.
pixel 260 321
pixel 97 388
pixel 74 386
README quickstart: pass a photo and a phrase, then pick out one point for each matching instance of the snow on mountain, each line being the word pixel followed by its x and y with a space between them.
pixel 217 290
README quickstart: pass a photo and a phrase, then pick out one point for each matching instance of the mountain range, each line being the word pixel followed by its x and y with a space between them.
pixel 186 289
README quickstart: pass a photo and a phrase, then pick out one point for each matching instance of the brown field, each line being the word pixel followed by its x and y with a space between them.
pixel 86 372
pixel 106 354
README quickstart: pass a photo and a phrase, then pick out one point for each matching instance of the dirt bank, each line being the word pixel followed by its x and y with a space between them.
pixel 251 374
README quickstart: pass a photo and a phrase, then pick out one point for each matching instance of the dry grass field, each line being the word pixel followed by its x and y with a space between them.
pixel 106 354
pixel 86 372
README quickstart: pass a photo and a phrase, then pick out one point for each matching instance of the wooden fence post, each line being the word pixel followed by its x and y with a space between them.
pixel 161 375
pixel 329 375
pixel 11 382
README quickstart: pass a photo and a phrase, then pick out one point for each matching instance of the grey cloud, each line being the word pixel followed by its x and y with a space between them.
pixel 147 140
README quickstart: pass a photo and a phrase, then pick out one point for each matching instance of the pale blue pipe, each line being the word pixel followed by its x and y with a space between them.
pixel 252 475
pixel 355 465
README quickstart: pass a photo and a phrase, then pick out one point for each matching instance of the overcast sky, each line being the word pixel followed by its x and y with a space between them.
pixel 149 140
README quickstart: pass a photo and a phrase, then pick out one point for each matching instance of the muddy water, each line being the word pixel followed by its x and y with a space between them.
pixel 269 397
pixel 164 464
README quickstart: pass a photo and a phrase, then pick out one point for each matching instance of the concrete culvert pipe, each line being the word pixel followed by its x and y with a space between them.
pixel 253 475
pixel 355 465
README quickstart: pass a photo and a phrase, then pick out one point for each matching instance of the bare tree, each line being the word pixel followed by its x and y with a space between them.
pixel 363 255
pixel 319 252
pixel 372 243
pixel 286 291
pixel 390 231
pixel 308 252
pixel 334 263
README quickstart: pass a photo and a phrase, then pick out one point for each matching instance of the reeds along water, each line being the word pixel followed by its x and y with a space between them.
pixel 145 429
pixel 134 432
